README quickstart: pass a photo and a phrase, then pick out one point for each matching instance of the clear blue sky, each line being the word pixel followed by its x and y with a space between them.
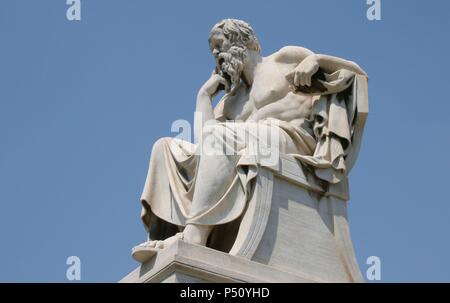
pixel 81 104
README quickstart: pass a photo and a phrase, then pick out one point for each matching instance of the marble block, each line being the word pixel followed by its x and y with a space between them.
pixel 291 231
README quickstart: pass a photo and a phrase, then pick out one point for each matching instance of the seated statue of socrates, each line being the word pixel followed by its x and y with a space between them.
pixel 290 102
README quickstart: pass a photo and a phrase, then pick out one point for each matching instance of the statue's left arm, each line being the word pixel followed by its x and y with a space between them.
pixel 309 63
pixel 330 64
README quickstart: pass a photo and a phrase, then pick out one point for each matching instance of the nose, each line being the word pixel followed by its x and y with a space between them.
pixel 215 52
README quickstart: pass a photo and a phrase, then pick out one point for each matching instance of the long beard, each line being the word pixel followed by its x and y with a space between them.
pixel 232 65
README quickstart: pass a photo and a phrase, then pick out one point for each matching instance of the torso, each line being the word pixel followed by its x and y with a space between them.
pixel 269 92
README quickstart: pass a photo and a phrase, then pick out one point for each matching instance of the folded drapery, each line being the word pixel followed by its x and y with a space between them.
pixel 178 171
pixel 333 117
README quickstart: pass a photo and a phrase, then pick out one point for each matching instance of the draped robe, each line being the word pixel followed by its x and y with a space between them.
pixel 173 192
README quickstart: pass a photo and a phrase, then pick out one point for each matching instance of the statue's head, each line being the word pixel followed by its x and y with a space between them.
pixel 230 40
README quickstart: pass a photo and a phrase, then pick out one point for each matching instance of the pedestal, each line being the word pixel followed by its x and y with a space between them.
pixel 189 263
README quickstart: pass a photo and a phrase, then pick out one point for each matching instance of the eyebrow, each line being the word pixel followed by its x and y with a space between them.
pixel 217 39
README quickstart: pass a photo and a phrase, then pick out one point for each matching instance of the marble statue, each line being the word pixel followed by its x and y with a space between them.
pixel 306 99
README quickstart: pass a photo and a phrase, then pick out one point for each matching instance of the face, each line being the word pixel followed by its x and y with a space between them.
pixel 230 59
pixel 218 43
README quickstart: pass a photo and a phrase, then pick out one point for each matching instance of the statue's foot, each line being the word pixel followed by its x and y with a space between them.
pixel 195 234
pixel 145 251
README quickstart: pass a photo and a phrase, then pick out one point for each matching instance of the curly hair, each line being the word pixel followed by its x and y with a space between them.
pixel 239 33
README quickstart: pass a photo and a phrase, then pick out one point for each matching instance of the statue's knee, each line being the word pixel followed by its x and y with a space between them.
pixel 160 143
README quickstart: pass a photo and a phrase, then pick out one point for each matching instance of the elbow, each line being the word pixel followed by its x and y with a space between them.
pixel 359 70
pixel 331 64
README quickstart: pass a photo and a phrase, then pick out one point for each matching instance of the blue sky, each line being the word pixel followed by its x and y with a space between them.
pixel 81 104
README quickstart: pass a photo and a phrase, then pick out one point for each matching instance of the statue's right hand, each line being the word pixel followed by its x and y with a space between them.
pixel 214 84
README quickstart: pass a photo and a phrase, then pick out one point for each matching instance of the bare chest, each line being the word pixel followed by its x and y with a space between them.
pixel 269 84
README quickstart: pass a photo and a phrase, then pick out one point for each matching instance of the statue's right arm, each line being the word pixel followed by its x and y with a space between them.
pixel 204 111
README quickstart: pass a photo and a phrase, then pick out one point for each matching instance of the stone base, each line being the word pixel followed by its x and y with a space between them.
pixel 189 263
pixel 291 231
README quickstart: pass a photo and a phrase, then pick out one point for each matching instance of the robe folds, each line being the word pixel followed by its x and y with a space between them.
pixel 180 187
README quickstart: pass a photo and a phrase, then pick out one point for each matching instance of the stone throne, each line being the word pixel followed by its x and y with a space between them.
pixel 294 229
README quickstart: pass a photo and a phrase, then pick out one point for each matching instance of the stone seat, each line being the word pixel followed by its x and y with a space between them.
pixel 293 224
pixel 293 230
